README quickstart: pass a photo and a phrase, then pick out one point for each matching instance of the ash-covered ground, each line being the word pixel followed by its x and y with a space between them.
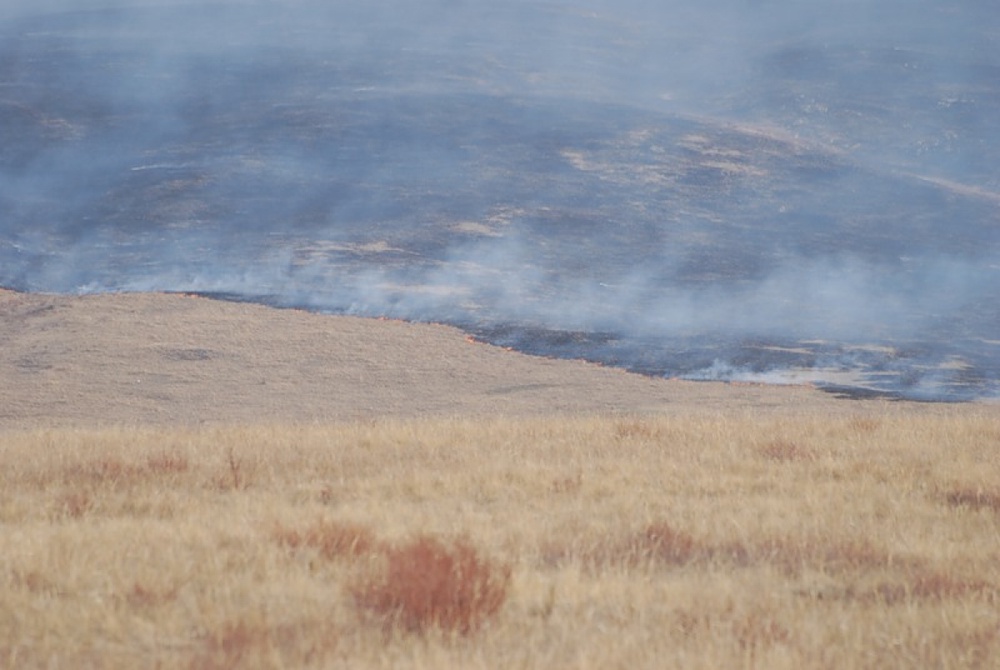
pixel 712 189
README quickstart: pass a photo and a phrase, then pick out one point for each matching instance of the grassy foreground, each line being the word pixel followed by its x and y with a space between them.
pixel 597 542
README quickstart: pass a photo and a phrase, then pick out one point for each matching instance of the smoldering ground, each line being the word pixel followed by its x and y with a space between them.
pixel 713 189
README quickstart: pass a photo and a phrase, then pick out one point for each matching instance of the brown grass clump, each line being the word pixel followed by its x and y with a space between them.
pixel 973 499
pixel 427 584
pixel 781 450
pixel 74 504
pixel 636 429
pixel 756 630
pixel 331 538
pixel 933 586
pixel 832 557
pixel 167 464
pixel 659 543
pixel 864 424
pixel 115 472
pixel 246 643
pixel 140 595
pixel 108 471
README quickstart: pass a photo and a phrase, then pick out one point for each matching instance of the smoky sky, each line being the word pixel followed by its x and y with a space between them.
pixel 728 189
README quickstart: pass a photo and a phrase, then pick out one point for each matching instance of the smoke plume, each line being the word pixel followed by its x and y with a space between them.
pixel 714 189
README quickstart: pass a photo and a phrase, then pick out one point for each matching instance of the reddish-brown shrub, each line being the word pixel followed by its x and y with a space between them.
pixel 428 584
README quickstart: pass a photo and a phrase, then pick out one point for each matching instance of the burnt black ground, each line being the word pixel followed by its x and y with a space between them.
pixel 791 197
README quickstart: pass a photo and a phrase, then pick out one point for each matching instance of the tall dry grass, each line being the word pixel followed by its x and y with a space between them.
pixel 594 542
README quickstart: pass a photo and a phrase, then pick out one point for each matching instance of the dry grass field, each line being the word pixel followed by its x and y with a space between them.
pixel 868 540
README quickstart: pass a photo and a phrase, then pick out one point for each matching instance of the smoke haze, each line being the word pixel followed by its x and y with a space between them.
pixel 714 189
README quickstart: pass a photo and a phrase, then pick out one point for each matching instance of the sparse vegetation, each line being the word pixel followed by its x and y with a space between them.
pixel 768 542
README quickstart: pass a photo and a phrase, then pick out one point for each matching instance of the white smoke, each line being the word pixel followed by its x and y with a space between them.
pixel 842 186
